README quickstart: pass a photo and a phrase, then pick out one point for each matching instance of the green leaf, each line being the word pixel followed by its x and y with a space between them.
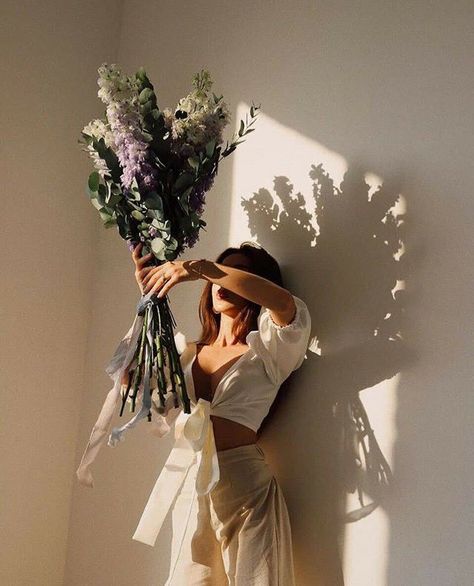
pixel 137 215
pixel 153 201
pixel 183 181
pixel 141 74
pixel 95 203
pixel 110 158
pixel 228 151
pixel 158 247
pixel 145 95
pixel 106 217
pixel 187 191
pixel 172 244
pixel 94 181
pixel 113 199
pixel 184 204
pixel 193 162
pixel 210 146
pixel 157 215
pixel 158 224
pixel 135 190
pixel 110 223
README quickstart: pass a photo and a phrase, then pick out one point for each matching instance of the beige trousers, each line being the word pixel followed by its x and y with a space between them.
pixel 239 534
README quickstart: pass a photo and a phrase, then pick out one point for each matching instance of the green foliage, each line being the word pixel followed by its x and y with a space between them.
pixel 161 218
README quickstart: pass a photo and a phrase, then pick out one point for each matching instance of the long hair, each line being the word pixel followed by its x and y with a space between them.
pixel 262 264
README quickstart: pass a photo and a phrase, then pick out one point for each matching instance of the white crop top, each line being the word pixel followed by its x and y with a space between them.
pixel 244 394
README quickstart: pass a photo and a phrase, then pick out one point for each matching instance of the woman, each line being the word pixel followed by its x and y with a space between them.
pixel 230 521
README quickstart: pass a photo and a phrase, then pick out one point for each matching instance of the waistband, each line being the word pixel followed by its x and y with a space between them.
pixel 247 450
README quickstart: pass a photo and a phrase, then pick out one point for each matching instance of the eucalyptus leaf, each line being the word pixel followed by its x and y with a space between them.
pixel 183 181
pixel 210 146
pixel 109 157
pixel 158 247
pixel 145 95
pixel 172 244
pixel 135 190
pixel 156 215
pixel 110 223
pixel 153 201
pixel 170 255
pixel 123 226
pixel 95 203
pixel 187 191
pixel 113 199
pixel 93 182
pixel 106 217
pixel 157 224
pixel 183 204
pixel 100 195
pixel 193 162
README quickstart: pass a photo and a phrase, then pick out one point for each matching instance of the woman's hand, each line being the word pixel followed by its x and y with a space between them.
pixel 159 279
pixel 140 262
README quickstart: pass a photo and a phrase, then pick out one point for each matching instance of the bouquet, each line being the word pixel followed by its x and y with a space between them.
pixel 153 168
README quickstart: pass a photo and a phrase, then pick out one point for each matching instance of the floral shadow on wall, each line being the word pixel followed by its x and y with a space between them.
pixel 346 259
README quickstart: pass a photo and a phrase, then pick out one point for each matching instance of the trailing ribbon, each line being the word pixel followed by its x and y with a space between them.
pixel 120 361
pixel 115 369
pixel 194 444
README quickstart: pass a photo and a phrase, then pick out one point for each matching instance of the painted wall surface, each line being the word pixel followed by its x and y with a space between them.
pixel 357 179
pixel 49 237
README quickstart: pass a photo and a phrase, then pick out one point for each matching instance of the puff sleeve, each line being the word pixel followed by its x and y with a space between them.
pixel 284 347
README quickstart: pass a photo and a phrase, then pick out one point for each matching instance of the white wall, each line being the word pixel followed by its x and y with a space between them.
pixel 49 51
pixel 379 90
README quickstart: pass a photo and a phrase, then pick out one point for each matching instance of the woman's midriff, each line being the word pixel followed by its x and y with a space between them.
pixel 230 434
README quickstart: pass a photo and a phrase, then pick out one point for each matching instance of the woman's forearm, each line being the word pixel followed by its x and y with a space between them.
pixel 252 287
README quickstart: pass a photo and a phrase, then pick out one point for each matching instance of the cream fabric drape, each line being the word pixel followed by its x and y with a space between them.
pixel 238 534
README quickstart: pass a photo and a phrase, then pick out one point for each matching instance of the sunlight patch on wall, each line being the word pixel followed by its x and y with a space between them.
pixel 275 162
pixel 274 150
pixel 366 542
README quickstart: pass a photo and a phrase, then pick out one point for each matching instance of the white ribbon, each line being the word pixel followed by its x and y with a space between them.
pixel 194 444
pixel 121 359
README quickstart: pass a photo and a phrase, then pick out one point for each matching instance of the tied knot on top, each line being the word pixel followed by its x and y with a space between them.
pixel 198 431
pixel 197 425
pixel 144 302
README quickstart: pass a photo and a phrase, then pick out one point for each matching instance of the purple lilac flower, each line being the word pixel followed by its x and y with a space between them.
pixel 120 94
pixel 198 194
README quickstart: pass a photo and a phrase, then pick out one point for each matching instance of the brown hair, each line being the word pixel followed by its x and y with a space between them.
pixel 262 264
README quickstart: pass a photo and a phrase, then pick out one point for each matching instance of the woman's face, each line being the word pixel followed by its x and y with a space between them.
pixel 222 299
